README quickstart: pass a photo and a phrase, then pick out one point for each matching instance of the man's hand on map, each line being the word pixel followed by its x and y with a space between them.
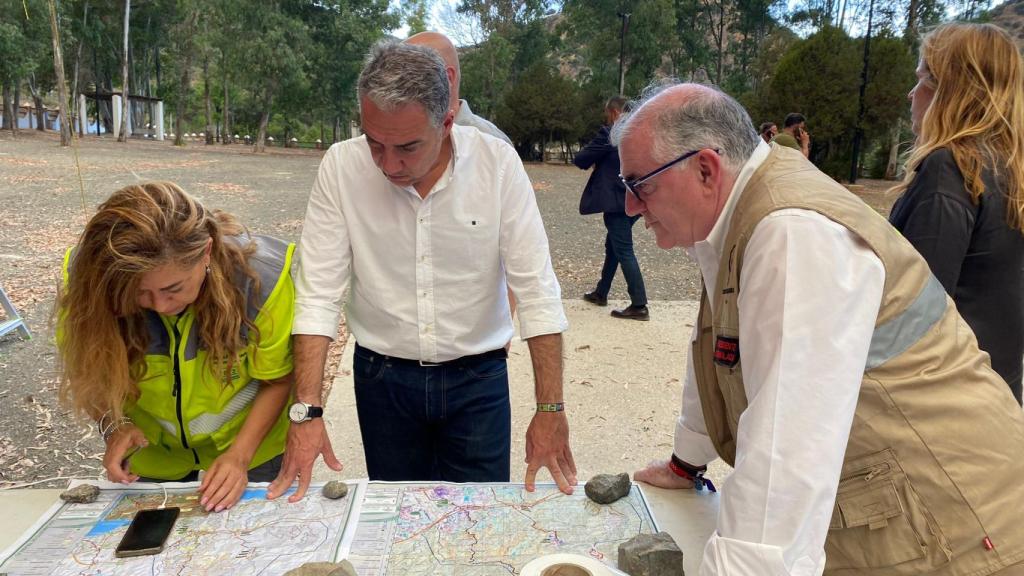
pixel 547 445
pixel 306 441
pixel 125 441
pixel 658 473
pixel 225 482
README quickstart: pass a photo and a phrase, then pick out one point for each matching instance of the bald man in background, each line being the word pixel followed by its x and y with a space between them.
pixel 463 115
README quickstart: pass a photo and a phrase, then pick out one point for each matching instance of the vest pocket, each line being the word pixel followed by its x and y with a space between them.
pixel 879 521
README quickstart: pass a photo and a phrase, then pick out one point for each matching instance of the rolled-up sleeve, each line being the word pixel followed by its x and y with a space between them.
pixel 324 254
pixel 692 443
pixel 526 256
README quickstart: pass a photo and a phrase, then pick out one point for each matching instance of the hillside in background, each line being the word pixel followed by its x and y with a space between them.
pixel 1010 16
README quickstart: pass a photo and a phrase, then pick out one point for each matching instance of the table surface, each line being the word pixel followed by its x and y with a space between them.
pixel 687 515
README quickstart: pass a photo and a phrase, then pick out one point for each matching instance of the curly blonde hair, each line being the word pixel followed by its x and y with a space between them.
pixel 103 335
pixel 977 111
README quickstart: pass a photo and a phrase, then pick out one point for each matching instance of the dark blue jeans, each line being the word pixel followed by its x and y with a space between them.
pixel 424 423
pixel 618 251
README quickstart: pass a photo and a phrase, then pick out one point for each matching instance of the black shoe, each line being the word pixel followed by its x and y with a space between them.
pixel 633 313
pixel 596 299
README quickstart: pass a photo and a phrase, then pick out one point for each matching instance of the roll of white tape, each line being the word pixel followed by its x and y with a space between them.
pixel 566 565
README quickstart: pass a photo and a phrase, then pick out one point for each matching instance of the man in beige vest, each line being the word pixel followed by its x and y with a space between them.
pixel 867 432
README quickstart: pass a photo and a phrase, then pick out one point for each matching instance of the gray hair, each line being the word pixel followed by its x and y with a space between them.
pixel 396 74
pixel 708 118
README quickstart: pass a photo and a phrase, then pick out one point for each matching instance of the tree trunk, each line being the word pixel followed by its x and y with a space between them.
pixel 892 166
pixel 226 112
pixel 9 113
pixel 268 101
pixel 17 106
pixel 37 100
pixel 82 122
pixel 123 136
pixel 208 101
pixel 184 80
pixel 58 71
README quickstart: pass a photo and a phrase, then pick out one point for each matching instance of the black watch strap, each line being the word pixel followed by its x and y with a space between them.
pixel 315 412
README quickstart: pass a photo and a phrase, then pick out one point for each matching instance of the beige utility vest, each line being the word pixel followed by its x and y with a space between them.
pixel 933 476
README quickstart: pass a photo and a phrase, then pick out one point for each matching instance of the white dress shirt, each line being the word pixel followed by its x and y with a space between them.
pixel 809 296
pixel 428 275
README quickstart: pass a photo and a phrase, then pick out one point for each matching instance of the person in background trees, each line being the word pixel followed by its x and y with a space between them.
pixel 463 115
pixel 768 131
pixel 963 195
pixel 174 334
pixel 428 223
pixel 794 134
pixel 605 194
pixel 867 433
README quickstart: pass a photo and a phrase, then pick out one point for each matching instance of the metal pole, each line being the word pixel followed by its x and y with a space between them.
pixel 622 51
pixel 859 132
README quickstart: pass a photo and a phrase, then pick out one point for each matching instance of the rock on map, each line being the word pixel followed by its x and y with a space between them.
pixel 257 536
pixel 485 529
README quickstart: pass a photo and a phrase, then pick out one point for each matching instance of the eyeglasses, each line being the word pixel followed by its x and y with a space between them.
pixel 633 185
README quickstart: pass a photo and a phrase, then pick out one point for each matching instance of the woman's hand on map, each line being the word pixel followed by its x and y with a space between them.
pixel 657 473
pixel 124 442
pixel 225 482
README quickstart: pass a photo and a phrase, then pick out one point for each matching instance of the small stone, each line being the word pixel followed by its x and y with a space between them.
pixel 343 568
pixel 335 489
pixel 81 494
pixel 607 488
pixel 651 555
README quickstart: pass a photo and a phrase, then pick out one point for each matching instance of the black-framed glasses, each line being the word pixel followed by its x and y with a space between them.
pixel 633 184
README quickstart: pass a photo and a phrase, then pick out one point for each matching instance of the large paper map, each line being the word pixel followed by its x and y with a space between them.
pixel 257 536
pixel 485 529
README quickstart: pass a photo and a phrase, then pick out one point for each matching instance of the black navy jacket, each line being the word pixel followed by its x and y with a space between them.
pixel 604 191
pixel 973 252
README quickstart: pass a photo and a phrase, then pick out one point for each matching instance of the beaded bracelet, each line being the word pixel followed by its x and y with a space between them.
pixel 106 425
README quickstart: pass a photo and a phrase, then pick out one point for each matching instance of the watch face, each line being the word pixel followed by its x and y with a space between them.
pixel 297 412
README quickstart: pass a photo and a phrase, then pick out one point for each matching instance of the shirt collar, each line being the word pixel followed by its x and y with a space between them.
pixel 708 252
pixel 464 111
pixel 449 171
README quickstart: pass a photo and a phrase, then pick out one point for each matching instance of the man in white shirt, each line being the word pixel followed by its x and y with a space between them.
pixel 827 367
pixel 424 224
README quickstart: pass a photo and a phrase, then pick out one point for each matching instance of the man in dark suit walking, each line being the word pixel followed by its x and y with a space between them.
pixel 605 194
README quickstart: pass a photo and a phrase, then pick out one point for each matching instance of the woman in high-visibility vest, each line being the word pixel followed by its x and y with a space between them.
pixel 175 338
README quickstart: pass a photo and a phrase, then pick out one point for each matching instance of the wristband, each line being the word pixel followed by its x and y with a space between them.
pixel 550 407
pixel 693 473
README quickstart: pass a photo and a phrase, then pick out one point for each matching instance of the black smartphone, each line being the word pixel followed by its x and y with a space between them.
pixel 147 533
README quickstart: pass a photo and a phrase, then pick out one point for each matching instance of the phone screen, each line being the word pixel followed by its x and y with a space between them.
pixel 147 532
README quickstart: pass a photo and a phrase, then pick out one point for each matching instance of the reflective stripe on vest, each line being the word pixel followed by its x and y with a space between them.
pixel 209 422
pixel 901 332
pixel 167 425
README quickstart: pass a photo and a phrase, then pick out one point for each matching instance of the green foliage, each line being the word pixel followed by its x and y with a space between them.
pixel 592 30
pixel 543 76
pixel 542 107
pixel 24 39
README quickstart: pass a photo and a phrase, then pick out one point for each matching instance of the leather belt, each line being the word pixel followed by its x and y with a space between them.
pixel 499 354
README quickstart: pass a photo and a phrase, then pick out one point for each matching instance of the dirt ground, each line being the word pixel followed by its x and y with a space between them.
pixel 46 193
